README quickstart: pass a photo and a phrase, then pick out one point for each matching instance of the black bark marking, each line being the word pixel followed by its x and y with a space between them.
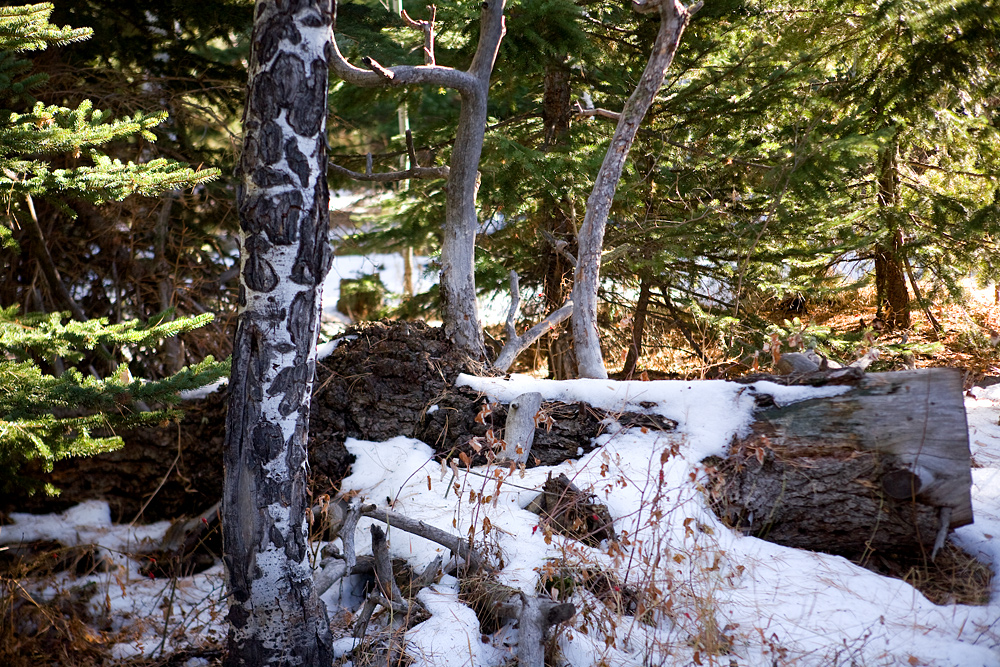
pixel 276 215
pixel 258 273
pixel 315 256
pixel 269 34
pixel 269 177
pixel 300 315
pixel 282 222
pixel 267 440
pixel 288 77
pixel 276 538
pixel 309 105
pixel 289 383
pixel 297 161
pixel 297 461
pixel 269 143
pixel 263 103
pixel 238 616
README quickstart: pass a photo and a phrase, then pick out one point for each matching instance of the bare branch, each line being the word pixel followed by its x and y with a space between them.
pixel 600 113
pixel 456 543
pixel 392 176
pixel 516 344
pixel 401 75
pixel 560 246
pixel 427 27
pixel 374 66
pixel 515 305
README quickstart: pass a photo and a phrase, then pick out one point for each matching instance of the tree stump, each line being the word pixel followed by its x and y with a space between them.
pixel 884 466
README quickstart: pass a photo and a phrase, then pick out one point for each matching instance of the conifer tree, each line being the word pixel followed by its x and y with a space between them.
pixel 52 403
pixel 142 255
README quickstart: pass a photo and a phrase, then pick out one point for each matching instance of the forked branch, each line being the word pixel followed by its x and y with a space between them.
pixel 516 344
pixel 427 27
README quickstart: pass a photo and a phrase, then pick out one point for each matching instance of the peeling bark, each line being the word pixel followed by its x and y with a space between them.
pixel 274 613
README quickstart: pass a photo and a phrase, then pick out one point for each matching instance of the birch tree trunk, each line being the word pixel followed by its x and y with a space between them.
pixel 674 17
pixel 275 615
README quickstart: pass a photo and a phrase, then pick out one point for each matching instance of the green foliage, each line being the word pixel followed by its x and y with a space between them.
pixel 53 404
pixel 756 173
pixel 45 417
pixel 129 234
pixel 27 28
pixel 46 130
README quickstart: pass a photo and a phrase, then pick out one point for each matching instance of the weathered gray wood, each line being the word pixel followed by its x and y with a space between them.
pixel 494 603
pixel 674 18
pixel 460 309
pixel 917 416
pixel 457 544
pixel 537 615
pixel 871 468
pixel 519 432
pixel 516 344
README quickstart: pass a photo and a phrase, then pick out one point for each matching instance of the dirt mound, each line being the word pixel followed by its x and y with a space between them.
pixel 376 385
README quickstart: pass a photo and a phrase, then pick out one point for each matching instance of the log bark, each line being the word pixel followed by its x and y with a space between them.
pixel 275 614
pixel 878 467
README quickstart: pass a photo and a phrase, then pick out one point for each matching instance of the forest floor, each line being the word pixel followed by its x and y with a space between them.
pixel 81 583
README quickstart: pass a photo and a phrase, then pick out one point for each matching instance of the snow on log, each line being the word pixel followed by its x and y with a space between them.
pixel 884 466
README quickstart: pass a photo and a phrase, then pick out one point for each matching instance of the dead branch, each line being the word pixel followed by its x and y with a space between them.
pixel 427 27
pixel 456 543
pixel 383 566
pixel 537 615
pixel 560 246
pixel 597 113
pixel 674 18
pixel 414 171
pixel 519 430
pixel 406 75
pixel 515 344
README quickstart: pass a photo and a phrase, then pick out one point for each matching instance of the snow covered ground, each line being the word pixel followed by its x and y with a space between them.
pixel 724 599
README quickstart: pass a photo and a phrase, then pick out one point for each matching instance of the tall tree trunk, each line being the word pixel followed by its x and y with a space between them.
pixel 674 18
pixel 558 222
pixel 459 308
pixel 638 328
pixel 890 278
pixel 275 615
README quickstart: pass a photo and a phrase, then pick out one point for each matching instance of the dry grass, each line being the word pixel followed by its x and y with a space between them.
pixel 954 577
pixel 59 630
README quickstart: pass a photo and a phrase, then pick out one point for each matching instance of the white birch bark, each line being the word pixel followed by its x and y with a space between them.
pixel 275 615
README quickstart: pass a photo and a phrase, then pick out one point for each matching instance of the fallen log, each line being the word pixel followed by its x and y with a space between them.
pixel 884 466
